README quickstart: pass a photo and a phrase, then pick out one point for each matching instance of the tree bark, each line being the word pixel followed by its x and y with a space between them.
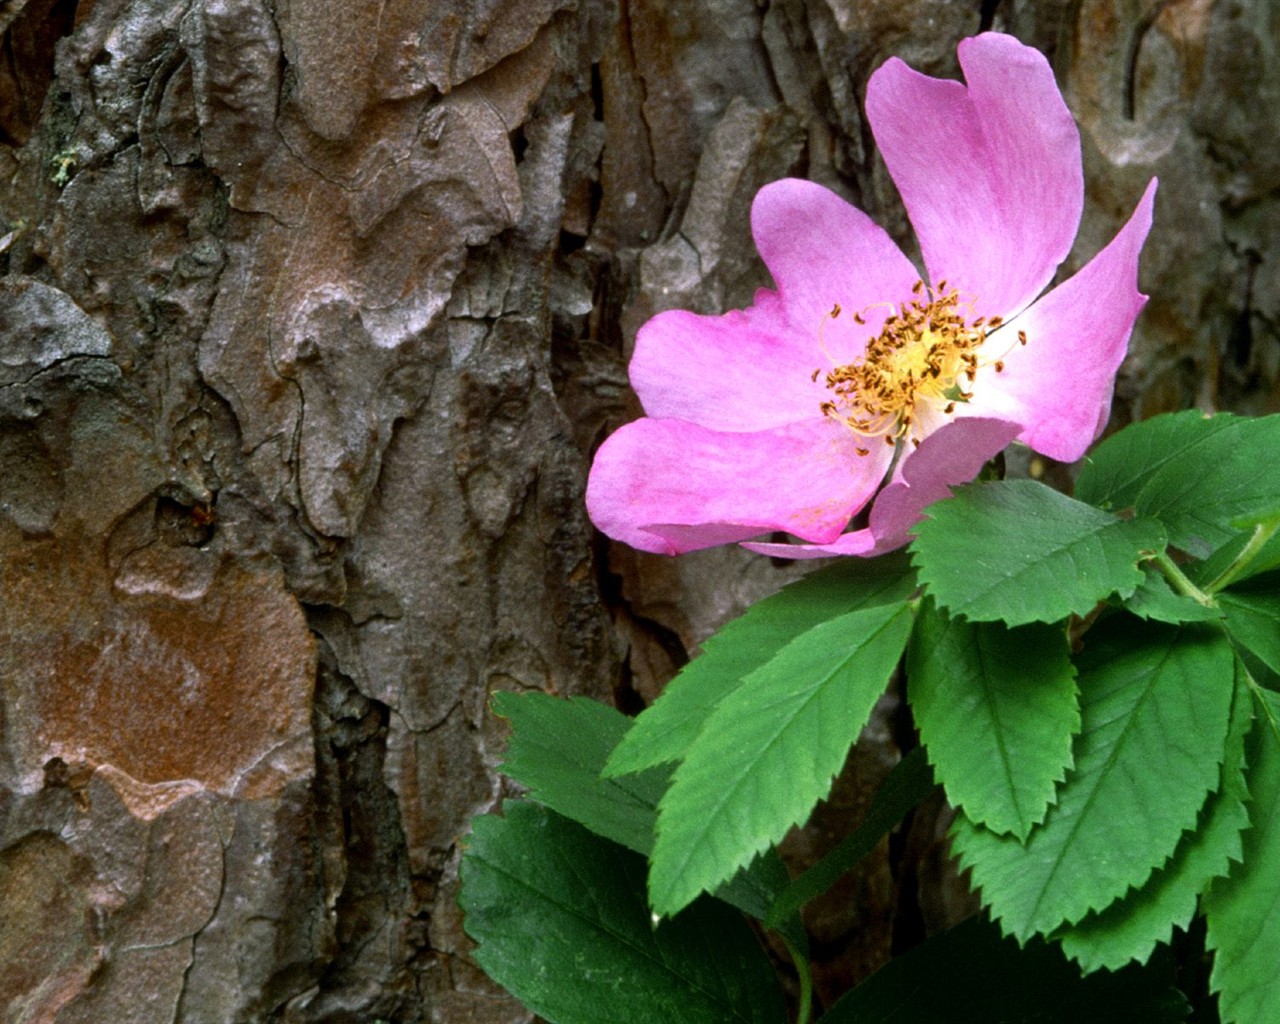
pixel 313 314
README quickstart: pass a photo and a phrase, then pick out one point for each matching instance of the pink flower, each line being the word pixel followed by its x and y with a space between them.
pixel 857 380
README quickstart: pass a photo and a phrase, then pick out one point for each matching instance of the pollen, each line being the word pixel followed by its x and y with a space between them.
pixel 926 355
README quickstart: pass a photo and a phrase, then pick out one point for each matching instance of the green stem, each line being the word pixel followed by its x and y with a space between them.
pixel 1262 533
pixel 805 1010
pixel 1179 581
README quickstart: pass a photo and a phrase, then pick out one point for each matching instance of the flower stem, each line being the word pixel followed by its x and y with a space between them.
pixel 805 1009
pixel 1262 533
pixel 1179 581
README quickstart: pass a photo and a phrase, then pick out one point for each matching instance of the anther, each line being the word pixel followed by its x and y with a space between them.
pixel 925 352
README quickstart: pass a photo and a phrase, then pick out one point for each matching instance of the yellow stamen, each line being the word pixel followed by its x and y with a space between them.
pixel 926 354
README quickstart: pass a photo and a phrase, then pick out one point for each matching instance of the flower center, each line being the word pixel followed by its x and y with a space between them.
pixel 926 353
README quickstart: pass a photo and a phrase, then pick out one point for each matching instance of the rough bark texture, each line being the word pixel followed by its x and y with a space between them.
pixel 314 311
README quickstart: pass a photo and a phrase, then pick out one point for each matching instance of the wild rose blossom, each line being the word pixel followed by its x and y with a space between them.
pixel 856 376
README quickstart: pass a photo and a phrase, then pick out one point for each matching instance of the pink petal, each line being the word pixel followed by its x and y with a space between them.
pixel 951 455
pixel 1059 385
pixel 990 175
pixel 821 252
pixel 670 486
pixel 753 369
pixel 860 543
pixel 745 370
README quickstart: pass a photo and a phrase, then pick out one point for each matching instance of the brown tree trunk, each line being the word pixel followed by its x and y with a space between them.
pixel 313 314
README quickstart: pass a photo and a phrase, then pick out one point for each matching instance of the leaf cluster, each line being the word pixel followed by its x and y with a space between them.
pixel 1093 679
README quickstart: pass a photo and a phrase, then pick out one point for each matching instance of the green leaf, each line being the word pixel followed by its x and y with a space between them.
pixel 1243 910
pixel 560 920
pixel 996 709
pixel 909 782
pixel 557 750
pixel 1154 702
pixel 1131 928
pixel 1156 600
pixel 663 732
pixel 1264 538
pixel 1199 475
pixel 1253 617
pixel 1118 470
pixel 1018 551
pixel 769 751
pixel 970 975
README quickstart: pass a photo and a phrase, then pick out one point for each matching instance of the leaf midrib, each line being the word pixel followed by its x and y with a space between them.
pixel 1154 677
pixel 713 816
pixel 1066 550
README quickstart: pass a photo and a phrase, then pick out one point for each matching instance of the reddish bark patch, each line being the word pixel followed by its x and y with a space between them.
pixel 208 684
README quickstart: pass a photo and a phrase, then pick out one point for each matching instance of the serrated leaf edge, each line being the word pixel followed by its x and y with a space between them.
pixel 761 842
pixel 1232 857
pixel 968 864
